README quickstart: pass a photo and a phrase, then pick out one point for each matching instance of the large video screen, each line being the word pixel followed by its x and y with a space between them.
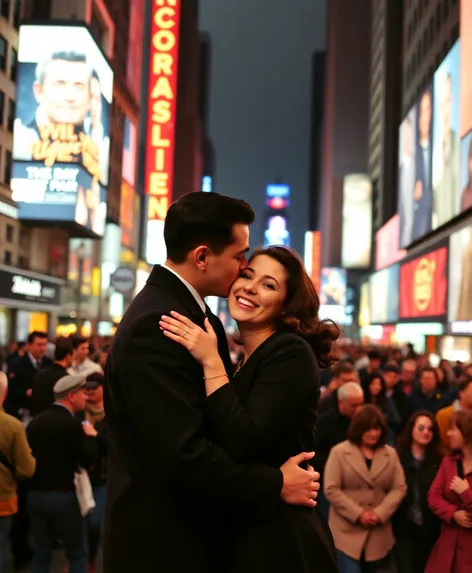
pixel 415 189
pixel 357 221
pixel 384 295
pixel 446 146
pixel 61 139
pixel 423 286
pixel 460 282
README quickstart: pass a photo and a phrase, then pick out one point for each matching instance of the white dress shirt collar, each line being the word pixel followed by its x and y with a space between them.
pixel 196 296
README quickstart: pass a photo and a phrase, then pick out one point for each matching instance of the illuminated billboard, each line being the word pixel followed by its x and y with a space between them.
pixel 312 258
pixel 384 295
pixel 127 200
pixel 276 221
pixel 415 192
pixel 423 286
pixel 333 287
pixel 465 59
pixel 61 142
pixel 460 282
pixel 161 112
pixel 387 241
pixel 446 142
pixel 357 222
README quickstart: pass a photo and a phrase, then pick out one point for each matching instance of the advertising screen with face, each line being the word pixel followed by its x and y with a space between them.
pixel 333 287
pixel 415 192
pixel 406 177
pixel 61 140
pixel 423 286
pixel 446 146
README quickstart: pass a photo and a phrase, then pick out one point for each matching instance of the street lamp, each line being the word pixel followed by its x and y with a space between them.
pixel 80 254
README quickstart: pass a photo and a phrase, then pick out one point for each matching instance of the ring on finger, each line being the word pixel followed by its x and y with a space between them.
pixel 184 332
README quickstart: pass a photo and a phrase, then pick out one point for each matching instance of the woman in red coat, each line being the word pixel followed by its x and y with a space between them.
pixel 450 498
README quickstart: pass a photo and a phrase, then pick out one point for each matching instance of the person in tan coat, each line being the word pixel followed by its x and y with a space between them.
pixel 16 463
pixel 364 483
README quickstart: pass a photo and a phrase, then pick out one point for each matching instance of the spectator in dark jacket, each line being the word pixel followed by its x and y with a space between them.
pixel 42 397
pixel 61 445
pixel 428 396
pixel 22 373
pixel 415 526
pixel 332 429
pixel 395 392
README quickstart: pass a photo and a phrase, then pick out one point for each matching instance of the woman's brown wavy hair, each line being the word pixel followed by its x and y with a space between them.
pixel 302 305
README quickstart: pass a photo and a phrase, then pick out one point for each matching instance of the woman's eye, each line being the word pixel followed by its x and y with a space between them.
pixel 244 276
pixel 269 285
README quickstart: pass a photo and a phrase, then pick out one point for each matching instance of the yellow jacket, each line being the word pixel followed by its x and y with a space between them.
pixel 14 446
pixel 443 418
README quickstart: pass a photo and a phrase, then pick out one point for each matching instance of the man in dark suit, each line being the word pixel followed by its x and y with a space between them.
pixel 423 217
pixel 61 444
pixel 42 397
pixel 22 373
pixel 170 488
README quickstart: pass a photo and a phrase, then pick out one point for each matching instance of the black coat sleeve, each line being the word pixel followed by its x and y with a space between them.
pixel 163 391
pixel 285 380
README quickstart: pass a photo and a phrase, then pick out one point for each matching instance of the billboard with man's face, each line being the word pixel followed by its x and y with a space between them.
pixel 61 140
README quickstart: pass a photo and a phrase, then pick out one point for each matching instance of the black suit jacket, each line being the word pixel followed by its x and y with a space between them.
pixel 20 379
pixel 60 446
pixel 268 414
pixel 170 487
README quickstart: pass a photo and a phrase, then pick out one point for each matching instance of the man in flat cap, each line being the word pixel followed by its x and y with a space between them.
pixel 61 444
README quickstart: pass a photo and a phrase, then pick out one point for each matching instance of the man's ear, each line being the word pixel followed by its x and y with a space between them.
pixel 201 257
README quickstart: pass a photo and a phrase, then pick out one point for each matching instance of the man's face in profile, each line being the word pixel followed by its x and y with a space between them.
pixel 424 123
pixel 65 92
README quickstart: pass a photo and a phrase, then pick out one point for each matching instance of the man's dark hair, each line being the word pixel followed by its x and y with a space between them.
pixel 66 56
pixel 374 355
pixel 203 219
pixel 76 342
pixel 392 368
pixel 36 334
pixel 343 367
pixel 63 349
pixel 429 369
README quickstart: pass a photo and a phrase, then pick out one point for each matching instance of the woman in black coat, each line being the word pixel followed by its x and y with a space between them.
pixel 415 526
pixel 268 411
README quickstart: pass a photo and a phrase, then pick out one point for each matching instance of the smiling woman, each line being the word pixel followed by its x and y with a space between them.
pixel 268 412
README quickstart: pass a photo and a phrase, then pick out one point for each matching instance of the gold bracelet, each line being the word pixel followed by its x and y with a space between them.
pixel 215 377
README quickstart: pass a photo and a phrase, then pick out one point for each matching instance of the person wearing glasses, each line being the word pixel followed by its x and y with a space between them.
pixel 415 526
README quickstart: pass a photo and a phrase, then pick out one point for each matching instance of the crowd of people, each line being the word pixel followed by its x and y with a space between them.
pixel 393 448
pixel 52 430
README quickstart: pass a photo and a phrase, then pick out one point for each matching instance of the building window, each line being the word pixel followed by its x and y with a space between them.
pixel 42 9
pixel 8 258
pixel 7 171
pixel 5 9
pixel 11 115
pixel 17 14
pixel 3 53
pixel 2 107
pixel 10 233
pixel 23 262
pixel 13 64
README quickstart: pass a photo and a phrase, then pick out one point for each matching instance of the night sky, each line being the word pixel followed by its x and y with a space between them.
pixel 260 98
